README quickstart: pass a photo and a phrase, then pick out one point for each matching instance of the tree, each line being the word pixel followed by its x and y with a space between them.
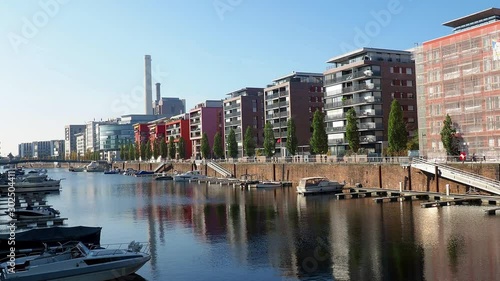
pixel 448 137
pixel 397 135
pixel 205 146
pixel 232 145
pixel 10 156
pixel 149 150
pixel 171 148
pixel 156 149
pixel 269 142
pixel 122 152
pixel 163 148
pixel 319 139
pixel 142 148
pixel 218 146
pixel 249 142
pixel 181 148
pixel 291 137
pixel 412 143
pixel 352 131
pixel 131 152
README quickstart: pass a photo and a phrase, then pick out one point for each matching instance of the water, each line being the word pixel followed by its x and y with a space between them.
pixel 201 232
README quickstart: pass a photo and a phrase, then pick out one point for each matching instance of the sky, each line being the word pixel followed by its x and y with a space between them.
pixel 73 61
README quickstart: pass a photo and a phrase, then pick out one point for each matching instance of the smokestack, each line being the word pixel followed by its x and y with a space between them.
pixel 148 91
pixel 158 96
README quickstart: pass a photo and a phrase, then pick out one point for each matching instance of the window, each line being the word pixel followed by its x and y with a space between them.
pixel 411 120
pixel 409 83
pixel 410 108
pixel 254 105
pixel 410 95
pixel 408 70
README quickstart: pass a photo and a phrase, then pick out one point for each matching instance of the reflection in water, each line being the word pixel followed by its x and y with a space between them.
pixel 220 233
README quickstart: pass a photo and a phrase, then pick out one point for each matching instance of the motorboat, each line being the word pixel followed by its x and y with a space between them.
pixel 74 261
pixel 112 172
pixel 190 175
pixel 143 173
pixel 36 181
pixel 76 169
pixel 267 184
pixel 311 185
pixel 94 167
pixel 35 240
pixel 36 212
pixel 163 177
pixel 129 172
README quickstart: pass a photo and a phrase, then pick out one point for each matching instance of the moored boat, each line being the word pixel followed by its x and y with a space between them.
pixel 75 261
pixel 187 176
pixel 163 177
pixel 34 213
pixel 311 185
pixel 267 184
pixel 143 173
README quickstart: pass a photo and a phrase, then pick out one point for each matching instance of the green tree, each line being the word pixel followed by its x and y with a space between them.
pixel 163 149
pixel 232 145
pixel 142 147
pixel 171 148
pixel 249 142
pixel 205 146
pixel 156 149
pixel 131 151
pixel 269 142
pixel 413 143
pixel 448 137
pixel 149 150
pixel 122 152
pixel 181 148
pixel 218 146
pixel 352 131
pixel 397 135
pixel 291 137
pixel 319 139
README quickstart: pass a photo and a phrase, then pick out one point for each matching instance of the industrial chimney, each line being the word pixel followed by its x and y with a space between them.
pixel 148 91
pixel 158 95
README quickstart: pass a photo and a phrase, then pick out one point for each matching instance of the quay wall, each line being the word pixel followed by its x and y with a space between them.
pixel 384 175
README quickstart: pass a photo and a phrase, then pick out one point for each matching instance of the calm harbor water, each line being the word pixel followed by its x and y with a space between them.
pixel 209 232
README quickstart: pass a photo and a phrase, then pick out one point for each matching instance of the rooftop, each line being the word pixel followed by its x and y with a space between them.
pixel 472 18
pixel 364 50
pixel 294 74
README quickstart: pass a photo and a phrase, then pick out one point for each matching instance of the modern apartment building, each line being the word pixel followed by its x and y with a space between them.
pixel 177 127
pixel 368 80
pixel 206 117
pixel 42 149
pixel 297 95
pixel 25 150
pixel 242 109
pixel 459 75
pixel 80 144
pixel 70 139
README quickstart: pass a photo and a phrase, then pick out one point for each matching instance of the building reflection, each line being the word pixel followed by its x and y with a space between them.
pixel 320 236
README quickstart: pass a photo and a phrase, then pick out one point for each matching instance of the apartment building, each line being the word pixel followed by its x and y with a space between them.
pixel 459 75
pixel 368 80
pixel 297 95
pixel 206 117
pixel 70 132
pixel 242 109
pixel 177 127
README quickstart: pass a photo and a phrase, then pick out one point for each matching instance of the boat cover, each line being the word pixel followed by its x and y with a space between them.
pixel 52 236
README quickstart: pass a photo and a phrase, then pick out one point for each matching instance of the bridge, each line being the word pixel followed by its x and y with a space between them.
pixel 457 175
pixel 19 161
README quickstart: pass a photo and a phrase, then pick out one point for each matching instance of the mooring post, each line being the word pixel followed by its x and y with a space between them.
pixel 409 177
pixel 274 172
pixel 436 172
pixel 380 175
pixel 447 190
pixel 400 186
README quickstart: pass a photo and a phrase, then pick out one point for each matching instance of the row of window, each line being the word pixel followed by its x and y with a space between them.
pixel 405 83
pixel 401 70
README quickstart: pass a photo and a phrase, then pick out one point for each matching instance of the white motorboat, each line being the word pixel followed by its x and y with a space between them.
pixel 34 213
pixel 313 185
pixel 94 167
pixel 190 175
pixel 268 184
pixel 36 181
pixel 76 262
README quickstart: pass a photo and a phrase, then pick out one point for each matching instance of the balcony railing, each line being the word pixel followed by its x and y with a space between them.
pixel 232 106
pixel 351 76
pixel 277 115
pixel 277 104
pixel 335 129
pixel 361 87
pixel 350 102
pixel 336 141
pixel 234 113
pixel 233 122
pixel 276 95
pixel 370 126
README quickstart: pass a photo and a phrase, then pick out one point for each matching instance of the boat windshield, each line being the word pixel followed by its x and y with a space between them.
pixel 313 181
pixel 82 248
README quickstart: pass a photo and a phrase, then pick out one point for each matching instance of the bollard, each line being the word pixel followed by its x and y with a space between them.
pixel 447 190
pixel 400 187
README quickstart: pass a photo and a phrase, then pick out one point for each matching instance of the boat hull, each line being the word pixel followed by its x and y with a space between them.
pixel 31 189
pixel 323 189
pixel 76 272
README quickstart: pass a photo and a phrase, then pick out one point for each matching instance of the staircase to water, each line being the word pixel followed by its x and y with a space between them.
pixel 454 174
pixel 219 169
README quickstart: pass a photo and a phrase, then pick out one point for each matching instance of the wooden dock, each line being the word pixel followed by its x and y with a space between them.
pixel 35 222
pixel 402 197
pixel 459 201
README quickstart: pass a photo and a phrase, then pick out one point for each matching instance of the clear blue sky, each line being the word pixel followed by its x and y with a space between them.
pixel 72 61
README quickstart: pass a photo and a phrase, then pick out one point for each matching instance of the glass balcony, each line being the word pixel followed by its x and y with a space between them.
pixel 277 105
pixel 352 76
pixel 361 87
